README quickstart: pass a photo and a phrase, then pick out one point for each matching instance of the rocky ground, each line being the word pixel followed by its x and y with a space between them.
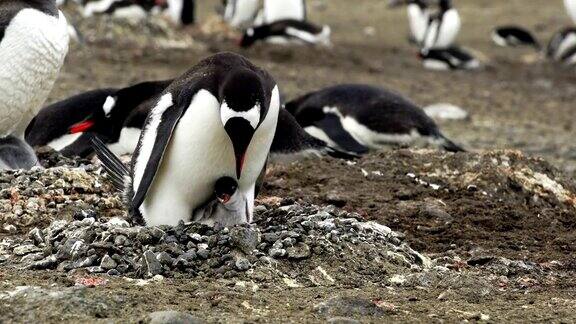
pixel 404 235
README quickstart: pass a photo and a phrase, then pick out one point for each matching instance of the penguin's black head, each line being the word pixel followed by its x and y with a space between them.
pixel 243 107
pixel 101 120
pixel 225 188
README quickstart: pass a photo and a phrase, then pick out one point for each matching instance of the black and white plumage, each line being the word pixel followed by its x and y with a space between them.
pixel 453 58
pixel 216 120
pixel 443 27
pixel 418 17
pixel 357 118
pixel 33 44
pixel 225 208
pixel 287 32
pixel 562 46
pixel 238 13
pixel 115 115
pixel 180 12
pixel 242 13
pixel 512 36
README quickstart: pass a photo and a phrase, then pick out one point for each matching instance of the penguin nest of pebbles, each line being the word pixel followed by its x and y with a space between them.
pixel 292 239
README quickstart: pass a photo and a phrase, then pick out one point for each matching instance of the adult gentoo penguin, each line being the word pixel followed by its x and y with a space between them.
pixel 443 27
pixel 116 115
pixel 287 32
pixel 33 44
pixel 216 120
pixel 357 118
pixel 514 36
pixel 453 58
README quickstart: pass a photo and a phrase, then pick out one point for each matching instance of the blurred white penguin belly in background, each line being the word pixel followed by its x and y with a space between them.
pixel 33 44
pixel 571 8
pixel 274 10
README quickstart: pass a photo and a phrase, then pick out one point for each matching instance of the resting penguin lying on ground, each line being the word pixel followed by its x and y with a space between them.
pixel 287 32
pixel 357 118
pixel 117 117
pixel 514 36
pixel 111 113
pixel 33 44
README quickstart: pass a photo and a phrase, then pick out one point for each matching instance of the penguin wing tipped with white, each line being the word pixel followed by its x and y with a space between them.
pixel 104 112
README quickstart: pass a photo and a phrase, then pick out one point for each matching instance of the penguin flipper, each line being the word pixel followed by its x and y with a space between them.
pixel 333 128
pixel 291 138
pixel 115 169
pixel 154 140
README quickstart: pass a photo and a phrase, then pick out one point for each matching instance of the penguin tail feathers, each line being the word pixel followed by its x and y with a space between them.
pixel 448 145
pixel 116 171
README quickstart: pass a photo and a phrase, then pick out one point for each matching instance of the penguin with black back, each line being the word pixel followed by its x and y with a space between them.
pixel 33 44
pixel 358 118
pixel 110 113
pixel 287 32
pixel 216 120
pixel 453 58
pixel 513 36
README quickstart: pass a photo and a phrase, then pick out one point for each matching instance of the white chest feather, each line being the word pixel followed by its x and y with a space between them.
pixel 199 153
pixel 241 12
pixel 571 8
pixel 31 54
pixel 275 10
pixel 443 33
pixel 418 19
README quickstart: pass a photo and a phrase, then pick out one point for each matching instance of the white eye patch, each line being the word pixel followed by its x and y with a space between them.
pixel 108 105
pixel 250 32
pixel 252 115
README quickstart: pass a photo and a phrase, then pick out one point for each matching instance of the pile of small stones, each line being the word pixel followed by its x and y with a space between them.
pixel 291 233
pixel 65 188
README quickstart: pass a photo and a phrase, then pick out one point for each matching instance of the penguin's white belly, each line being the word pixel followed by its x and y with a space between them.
pixel 571 8
pixel 127 142
pixel 373 139
pixel 241 12
pixel 275 10
pixel 440 36
pixel 63 141
pixel 199 153
pixel 31 55
pixel 418 20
